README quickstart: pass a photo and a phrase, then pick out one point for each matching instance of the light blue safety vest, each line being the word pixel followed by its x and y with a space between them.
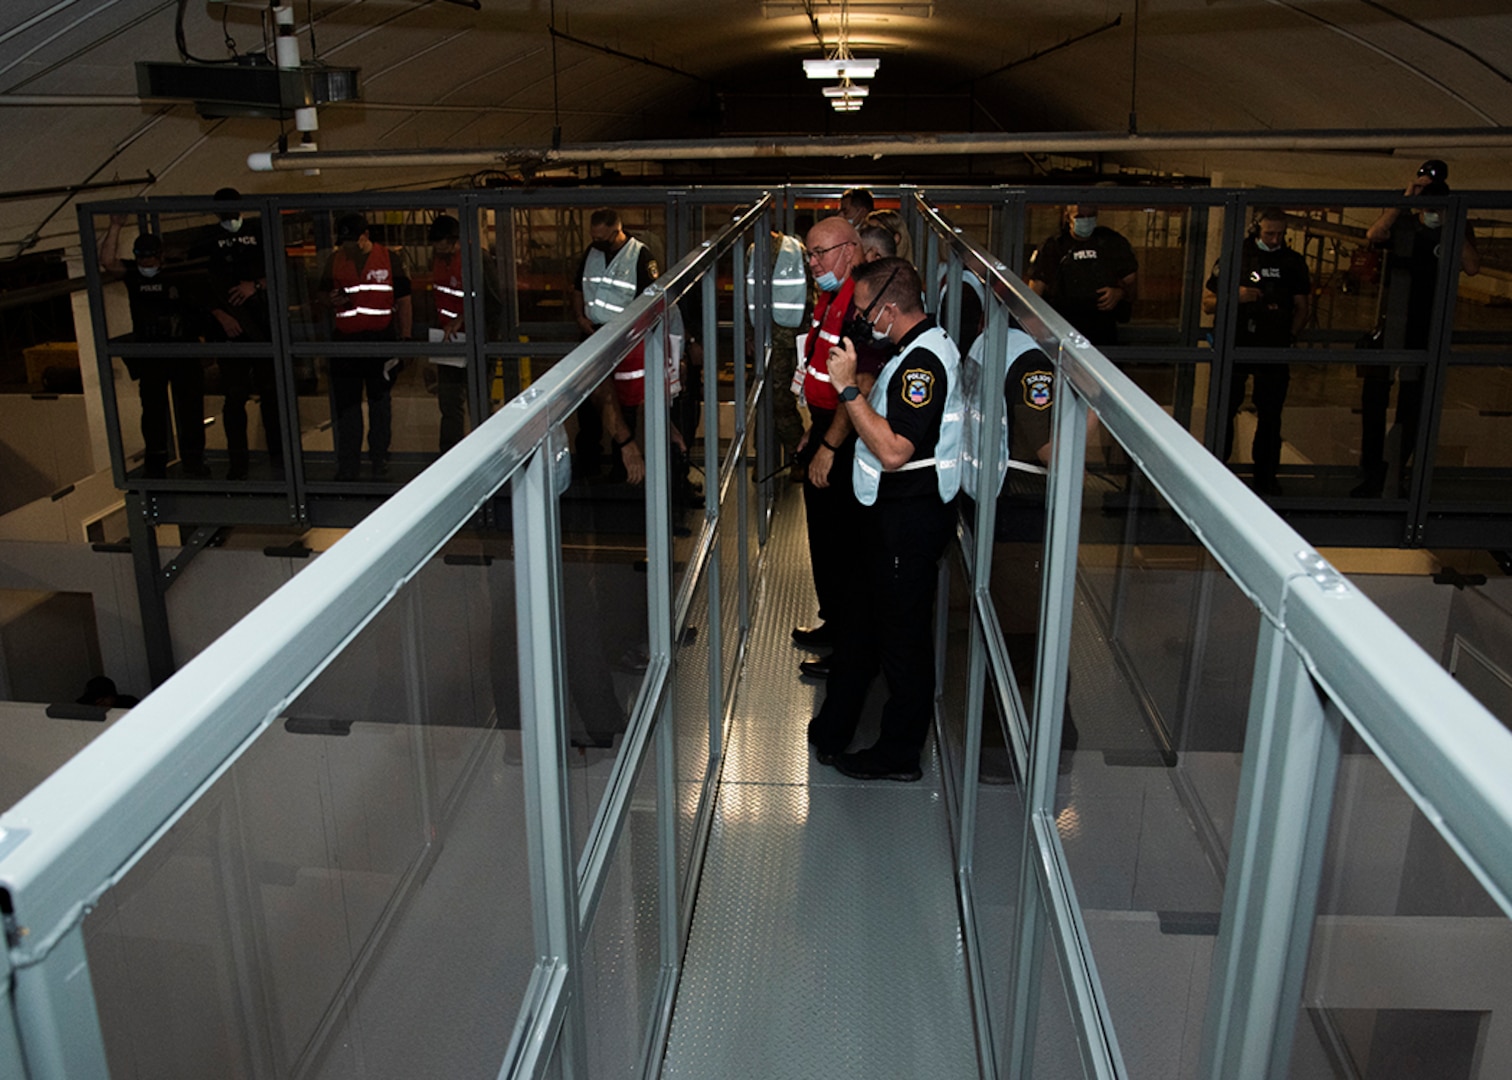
pixel 789 284
pixel 971 440
pixel 866 473
pixel 608 289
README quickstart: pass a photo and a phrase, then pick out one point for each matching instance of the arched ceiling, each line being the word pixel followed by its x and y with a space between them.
pixel 439 74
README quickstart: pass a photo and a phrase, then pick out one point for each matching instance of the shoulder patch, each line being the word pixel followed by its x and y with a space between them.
pixel 918 387
pixel 1039 389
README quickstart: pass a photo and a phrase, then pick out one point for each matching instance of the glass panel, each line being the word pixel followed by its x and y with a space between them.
pixel 729 582
pixel 550 245
pixel 604 605
pixel 958 636
pixel 352 897
pixel 997 859
pixel 1483 307
pixel 690 720
pixel 1151 242
pixel 363 279
pixel 1405 970
pixel 1330 430
pixel 1056 1054
pixel 1158 706
pixel 1474 461
pixel 622 950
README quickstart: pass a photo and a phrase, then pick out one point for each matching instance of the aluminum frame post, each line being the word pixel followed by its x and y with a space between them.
pixel 1287 752
pixel 543 737
pixel 56 1014
pixel 713 485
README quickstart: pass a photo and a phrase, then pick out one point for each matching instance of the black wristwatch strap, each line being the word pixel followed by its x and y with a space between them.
pixel 850 393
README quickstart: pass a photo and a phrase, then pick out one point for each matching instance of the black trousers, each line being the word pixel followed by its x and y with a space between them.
pixel 451 396
pixel 1271 384
pixel 831 512
pixel 1375 396
pixel 887 625
pixel 350 377
pixel 241 377
pixel 186 378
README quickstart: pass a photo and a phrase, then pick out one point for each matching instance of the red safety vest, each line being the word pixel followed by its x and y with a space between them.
pixel 446 279
pixel 630 377
pixel 371 291
pixel 824 334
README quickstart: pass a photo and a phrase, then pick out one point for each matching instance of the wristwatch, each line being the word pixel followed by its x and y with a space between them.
pixel 850 393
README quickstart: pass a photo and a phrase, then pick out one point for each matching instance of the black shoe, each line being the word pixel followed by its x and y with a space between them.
pixel 237 471
pixel 823 750
pixel 346 474
pixel 869 764
pixel 381 465
pixel 818 668
pixel 1268 486
pixel 813 637
pixel 196 469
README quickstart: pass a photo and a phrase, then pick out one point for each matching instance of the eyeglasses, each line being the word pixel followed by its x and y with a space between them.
pixel 819 253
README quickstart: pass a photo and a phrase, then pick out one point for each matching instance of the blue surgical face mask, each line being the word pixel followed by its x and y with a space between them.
pixel 148 271
pixel 1262 245
pixel 1082 227
pixel 1432 220
pixel 232 225
pixel 828 281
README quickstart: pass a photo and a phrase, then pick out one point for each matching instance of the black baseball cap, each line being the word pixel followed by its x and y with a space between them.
pixel 444 227
pixel 1434 169
pixel 350 227
pixel 147 245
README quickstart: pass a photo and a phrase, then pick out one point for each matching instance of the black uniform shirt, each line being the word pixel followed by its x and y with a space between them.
pixel 1281 276
pixel 915 405
pixel 157 310
pixel 1074 269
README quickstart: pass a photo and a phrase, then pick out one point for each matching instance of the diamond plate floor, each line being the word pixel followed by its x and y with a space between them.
pixel 826 942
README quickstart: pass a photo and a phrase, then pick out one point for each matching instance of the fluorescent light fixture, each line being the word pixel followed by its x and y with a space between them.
pixel 846 91
pixel 849 68
pixel 846 104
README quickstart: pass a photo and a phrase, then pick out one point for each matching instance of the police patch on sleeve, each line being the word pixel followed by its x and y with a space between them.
pixel 1039 389
pixel 918 387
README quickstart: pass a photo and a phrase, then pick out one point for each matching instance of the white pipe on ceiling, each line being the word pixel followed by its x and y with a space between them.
pixel 878 146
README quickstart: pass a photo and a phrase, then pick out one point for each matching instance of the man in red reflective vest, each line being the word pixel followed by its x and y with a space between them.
pixel 828 447
pixel 369 295
pixel 450 292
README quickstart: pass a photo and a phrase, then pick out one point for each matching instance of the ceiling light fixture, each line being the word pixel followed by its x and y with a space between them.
pixel 838 63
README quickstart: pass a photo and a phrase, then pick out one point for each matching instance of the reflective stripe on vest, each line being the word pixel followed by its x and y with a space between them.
pixel 789 285
pixel 609 288
pixel 371 290
pixel 447 273
pixel 866 472
pixel 828 321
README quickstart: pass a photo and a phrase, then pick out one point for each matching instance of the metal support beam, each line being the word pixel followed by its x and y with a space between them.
pixel 55 1012
pixel 151 599
pixel 1290 758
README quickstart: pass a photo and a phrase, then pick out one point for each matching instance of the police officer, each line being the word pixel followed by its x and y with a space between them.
pixel 906 474
pixel 1088 273
pixel 1413 238
pixel 238 305
pixel 159 313
pixel 369 295
pixel 1275 299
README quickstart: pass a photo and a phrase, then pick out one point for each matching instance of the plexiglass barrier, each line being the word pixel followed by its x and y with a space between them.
pixel 1212 804
pixel 435 806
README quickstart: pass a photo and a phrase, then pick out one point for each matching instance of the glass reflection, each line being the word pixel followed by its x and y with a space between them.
pixel 1474 452
pixel 355 888
pixel 1404 972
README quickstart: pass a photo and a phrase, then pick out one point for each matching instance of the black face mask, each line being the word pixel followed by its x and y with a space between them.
pixel 603 245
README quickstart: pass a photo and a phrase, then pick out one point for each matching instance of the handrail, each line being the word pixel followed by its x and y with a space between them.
pixel 153 764
pixel 1449 753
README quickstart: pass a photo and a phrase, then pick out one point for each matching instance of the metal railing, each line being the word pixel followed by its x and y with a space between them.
pixel 84 829
pixel 1327 662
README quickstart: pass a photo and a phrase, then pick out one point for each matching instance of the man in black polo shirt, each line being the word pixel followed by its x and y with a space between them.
pixel 906 475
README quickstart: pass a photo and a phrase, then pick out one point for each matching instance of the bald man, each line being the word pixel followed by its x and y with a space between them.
pixel 828 447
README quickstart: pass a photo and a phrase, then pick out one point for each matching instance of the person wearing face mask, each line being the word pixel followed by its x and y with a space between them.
pixel 828 446
pixel 159 313
pixel 237 299
pixel 906 475
pixel 1413 239
pixel 855 205
pixel 368 293
pixel 1088 273
pixel 1275 300
pixel 615 269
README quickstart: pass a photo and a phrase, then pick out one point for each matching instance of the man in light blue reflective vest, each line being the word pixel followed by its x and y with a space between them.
pixel 906 475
